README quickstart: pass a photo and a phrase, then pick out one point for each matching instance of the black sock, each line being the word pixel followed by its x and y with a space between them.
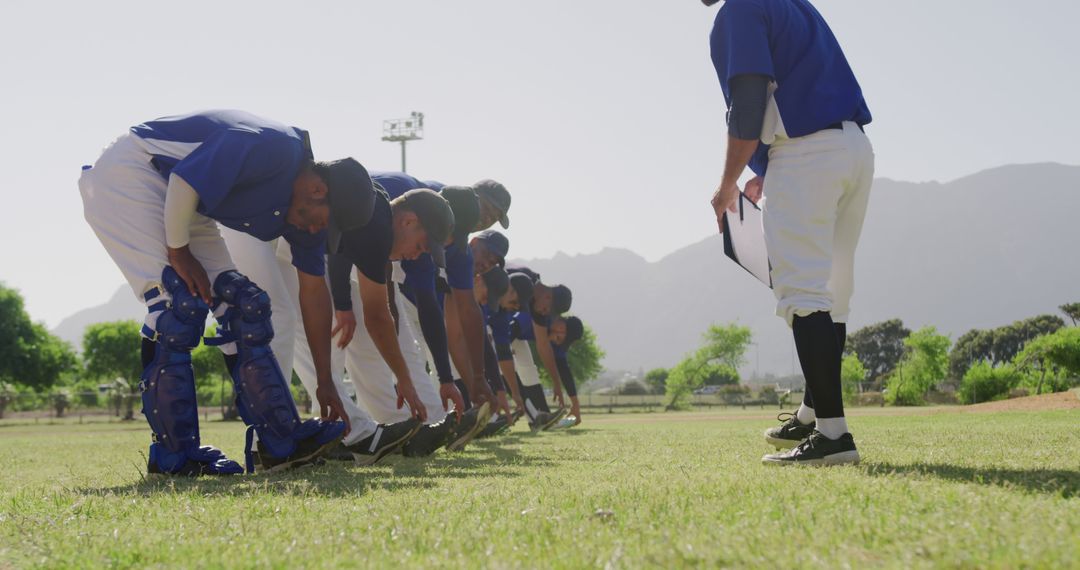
pixel 818 346
pixel 464 393
pixel 841 337
pixel 230 361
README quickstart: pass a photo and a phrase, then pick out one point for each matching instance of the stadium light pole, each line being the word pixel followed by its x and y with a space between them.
pixel 404 130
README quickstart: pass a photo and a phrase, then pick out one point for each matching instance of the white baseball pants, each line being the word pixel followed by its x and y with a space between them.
pixel 817 188
pixel 124 203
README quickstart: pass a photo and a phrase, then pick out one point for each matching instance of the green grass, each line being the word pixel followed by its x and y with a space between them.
pixel 942 490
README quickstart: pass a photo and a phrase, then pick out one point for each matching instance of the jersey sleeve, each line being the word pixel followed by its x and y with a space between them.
pixel 234 157
pixel 307 250
pixel 740 42
pixel 459 267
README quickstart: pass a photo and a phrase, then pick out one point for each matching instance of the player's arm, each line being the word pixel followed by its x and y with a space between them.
pixel 380 325
pixel 746 115
pixel 547 357
pixel 472 330
pixel 181 202
pixel 315 311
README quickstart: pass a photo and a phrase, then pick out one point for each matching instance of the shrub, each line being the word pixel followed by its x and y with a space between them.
pixel 984 382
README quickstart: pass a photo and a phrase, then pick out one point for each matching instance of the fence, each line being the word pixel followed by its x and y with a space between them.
pixel 657 402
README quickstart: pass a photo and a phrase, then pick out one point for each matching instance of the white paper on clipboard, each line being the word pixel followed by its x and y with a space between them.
pixel 744 239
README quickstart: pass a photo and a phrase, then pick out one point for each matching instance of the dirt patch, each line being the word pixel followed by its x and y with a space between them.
pixel 1058 401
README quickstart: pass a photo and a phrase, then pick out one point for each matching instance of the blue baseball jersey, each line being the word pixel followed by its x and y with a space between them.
pixel 521 323
pixel 243 168
pixel 791 43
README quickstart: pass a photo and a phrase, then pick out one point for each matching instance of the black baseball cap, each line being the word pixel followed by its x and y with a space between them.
pixel 709 2
pixel 524 287
pixel 498 195
pixel 351 195
pixel 497 282
pixel 496 242
pixel 575 330
pixel 561 299
pixel 435 216
pixel 466 206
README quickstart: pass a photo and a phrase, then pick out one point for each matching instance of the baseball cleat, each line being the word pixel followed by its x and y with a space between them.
pixel 323 438
pixel 386 439
pixel 470 424
pixel 494 427
pixel 789 433
pixel 818 450
pixel 566 423
pixel 429 438
pixel 206 460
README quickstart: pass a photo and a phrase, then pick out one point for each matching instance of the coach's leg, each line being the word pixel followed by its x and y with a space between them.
pixel 806 182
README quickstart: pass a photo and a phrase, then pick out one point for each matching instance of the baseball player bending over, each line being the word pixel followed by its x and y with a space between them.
pixel 154 199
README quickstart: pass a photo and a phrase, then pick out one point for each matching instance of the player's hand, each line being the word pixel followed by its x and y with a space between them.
pixel 559 399
pixel 449 393
pixel 724 199
pixel 330 406
pixel 407 395
pixel 483 392
pixel 345 323
pixel 754 188
pixel 191 271
pixel 519 405
pixel 502 405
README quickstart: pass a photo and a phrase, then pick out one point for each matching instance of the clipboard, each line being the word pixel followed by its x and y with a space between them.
pixel 744 240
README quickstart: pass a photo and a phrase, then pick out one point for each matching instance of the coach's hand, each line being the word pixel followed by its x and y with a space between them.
pixel 345 323
pixel 191 271
pixel 754 188
pixel 407 395
pixel 330 406
pixel 449 393
pixel 724 199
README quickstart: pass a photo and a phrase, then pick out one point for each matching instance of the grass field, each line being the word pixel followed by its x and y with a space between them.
pixel 635 490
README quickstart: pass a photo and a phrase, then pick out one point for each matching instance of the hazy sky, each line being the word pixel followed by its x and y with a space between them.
pixel 604 118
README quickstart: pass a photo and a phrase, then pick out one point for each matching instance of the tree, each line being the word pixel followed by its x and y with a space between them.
pixel 112 352
pixel 29 354
pixel 1053 358
pixel 656 379
pixel 721 355
pixel 633 388
pixel 1071 310
pixel 583 357
pixel 852 373
pixel 972 346
pixel 1009 340
pixel 7 396
pixel 925 364
pixel 879 346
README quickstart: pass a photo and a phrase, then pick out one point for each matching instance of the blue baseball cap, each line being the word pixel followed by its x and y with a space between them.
pixel 496 243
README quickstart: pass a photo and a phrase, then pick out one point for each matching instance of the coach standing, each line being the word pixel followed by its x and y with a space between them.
pixel 796 116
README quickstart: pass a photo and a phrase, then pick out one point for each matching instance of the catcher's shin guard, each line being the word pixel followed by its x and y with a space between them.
pixel 168 385
pixel 262 391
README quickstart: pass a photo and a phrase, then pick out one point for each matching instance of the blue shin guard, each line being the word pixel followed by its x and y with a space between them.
pixel 262 391
pixel 168 386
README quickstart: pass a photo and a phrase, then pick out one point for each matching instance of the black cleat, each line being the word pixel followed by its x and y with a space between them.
pixel 543 420
pixel 429 438
pixel 308 451
pixel 339 453
pixel 494 427
pixel 789 433
pixel 386 439
pixel 470 424
pixel 555 417
pixel 818 450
